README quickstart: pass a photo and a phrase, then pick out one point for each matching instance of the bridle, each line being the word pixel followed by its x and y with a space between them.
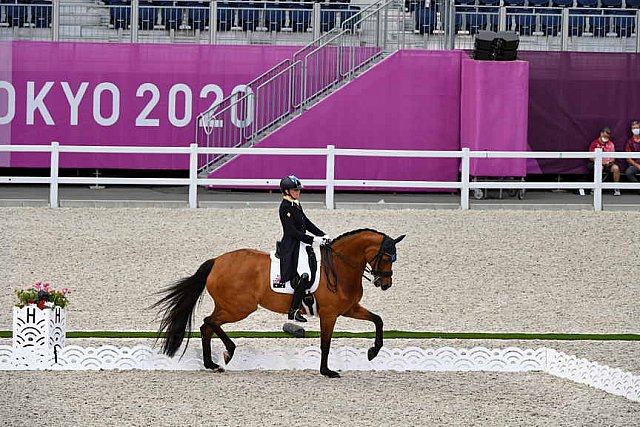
pixel 374 263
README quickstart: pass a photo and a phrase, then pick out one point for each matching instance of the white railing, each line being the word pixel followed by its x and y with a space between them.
pixel 330 182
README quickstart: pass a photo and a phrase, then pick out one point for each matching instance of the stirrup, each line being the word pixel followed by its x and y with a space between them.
pixel 297 316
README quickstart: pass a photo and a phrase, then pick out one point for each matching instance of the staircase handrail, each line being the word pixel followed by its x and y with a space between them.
pixel 314 42
pixel 208 112
pixel 297 67
pixel 340 38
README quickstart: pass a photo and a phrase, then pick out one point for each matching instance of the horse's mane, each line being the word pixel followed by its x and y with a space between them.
pixel 352 232
pixel 327 260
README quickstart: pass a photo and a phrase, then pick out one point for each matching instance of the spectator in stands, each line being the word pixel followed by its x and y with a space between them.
pixel 294 226
pixel 609 164
pixel 633 145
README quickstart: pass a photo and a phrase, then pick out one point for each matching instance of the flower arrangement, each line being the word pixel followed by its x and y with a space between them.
pixel 43 295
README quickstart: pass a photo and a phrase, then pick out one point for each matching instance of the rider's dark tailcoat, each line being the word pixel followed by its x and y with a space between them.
pixel 295 224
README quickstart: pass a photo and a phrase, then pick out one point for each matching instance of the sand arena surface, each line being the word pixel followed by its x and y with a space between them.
pixel 457 271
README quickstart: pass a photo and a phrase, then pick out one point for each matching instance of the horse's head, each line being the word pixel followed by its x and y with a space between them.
pixel 382 263
pixel 379 252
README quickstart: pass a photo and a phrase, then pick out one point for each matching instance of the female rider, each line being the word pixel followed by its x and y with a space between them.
pixel 295 224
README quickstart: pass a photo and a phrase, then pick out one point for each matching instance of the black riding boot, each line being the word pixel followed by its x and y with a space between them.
pixel 298 293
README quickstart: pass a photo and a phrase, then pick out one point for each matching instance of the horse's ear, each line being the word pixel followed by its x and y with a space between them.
pixel 399 239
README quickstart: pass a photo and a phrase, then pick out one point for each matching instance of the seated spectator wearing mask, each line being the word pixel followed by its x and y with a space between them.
pixel 633 145
pixel 607 145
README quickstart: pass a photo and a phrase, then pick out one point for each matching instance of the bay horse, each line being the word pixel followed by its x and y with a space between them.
pixel 238 282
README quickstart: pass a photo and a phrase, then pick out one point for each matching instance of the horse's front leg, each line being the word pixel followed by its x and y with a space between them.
pixel 327 324
pixel 361 313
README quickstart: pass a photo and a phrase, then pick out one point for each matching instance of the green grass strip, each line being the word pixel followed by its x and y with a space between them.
pixel 371 335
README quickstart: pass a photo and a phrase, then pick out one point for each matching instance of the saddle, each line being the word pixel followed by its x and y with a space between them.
pixel 307 263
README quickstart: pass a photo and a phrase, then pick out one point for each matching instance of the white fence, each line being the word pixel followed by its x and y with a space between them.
pixel 330 183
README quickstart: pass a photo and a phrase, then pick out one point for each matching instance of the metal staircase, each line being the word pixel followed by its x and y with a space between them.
pixel 292 86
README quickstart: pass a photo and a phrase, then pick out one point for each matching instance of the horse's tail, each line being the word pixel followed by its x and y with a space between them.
pixel 178 306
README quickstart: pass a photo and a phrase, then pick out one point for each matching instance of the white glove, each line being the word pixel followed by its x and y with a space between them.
pixel 317 241
pixel 326 239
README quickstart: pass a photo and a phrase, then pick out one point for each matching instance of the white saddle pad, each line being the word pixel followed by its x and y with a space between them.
pixel 303 267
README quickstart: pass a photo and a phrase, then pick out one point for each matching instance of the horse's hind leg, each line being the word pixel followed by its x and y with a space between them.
pixel 361 313
pixel 229 345
pixel 206 331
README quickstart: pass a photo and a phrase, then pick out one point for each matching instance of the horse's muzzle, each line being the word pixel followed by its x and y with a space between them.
pixel 380 282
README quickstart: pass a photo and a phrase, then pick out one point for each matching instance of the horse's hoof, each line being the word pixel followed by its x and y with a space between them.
pixel 330 374
pixel 372 353
pixel 227 357
pixel 218 369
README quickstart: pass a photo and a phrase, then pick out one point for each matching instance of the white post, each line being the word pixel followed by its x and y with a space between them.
pixel 464 191
pixel 597 179
pixel 502 19
pixel 331 159
pixel 53 185
pixel 564 28
pixel 135 14
pixel 193 176
pixel 316 21
pixel 55 20
pixel 213 29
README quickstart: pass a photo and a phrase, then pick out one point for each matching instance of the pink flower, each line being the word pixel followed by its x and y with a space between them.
pixel 46 286
pixel 37 286
pixel 65 291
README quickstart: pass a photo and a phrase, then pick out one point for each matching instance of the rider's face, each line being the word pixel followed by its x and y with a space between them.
pixel 295 194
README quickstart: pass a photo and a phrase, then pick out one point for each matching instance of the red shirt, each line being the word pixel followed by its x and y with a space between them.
pixel 633 146
pixel 608 147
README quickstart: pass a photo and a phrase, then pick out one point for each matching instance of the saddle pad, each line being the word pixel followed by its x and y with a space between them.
pixel 303 267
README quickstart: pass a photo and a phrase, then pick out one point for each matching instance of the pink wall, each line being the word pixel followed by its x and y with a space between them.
pixel 124 94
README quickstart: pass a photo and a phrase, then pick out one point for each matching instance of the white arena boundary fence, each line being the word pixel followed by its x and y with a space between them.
pixel 329 183
pixel 410 359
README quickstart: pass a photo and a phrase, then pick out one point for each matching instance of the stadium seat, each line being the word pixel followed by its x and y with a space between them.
pixel 120 14
pixel 582 23
pixel 147 15
pixel 275 16
pixel 519 19
pixel 172 15
pixel 538 3
pixel 621 22
pixel 490 11
pixel 425 20
pixel 611 3
pixel 198 15
pixel 225 16
pixel 562 3
pixel 587 3
pixel 465 14
pixel 550 21
pixel 328 15
pixel 478 22
pixel 300 15
pixel 16 14
pixel 41 11
pixel 248 15
pixel 633 4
